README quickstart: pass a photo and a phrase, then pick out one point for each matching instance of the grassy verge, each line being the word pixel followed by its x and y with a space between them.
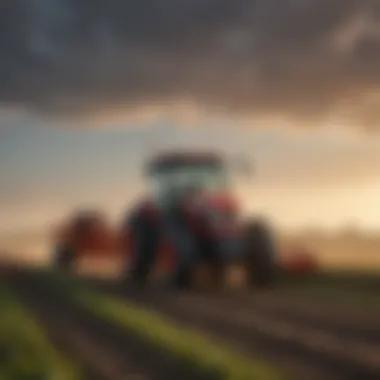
pixel 191 348
pixel 25 351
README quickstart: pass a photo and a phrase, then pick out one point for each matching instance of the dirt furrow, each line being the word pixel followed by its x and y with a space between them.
pixel 360 351
pixel 352 324
pixel 104 351
pixel 354 321
pixel 300 348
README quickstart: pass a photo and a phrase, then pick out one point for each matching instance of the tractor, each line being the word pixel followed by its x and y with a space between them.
pixel 189 228
pixel 192 225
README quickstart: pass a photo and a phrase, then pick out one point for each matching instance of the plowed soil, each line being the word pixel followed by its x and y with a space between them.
pixel 307 339
pixel 104 351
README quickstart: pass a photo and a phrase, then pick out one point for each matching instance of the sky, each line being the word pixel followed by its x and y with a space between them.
pixel 327 178
pixel 305 60
pixel 88 89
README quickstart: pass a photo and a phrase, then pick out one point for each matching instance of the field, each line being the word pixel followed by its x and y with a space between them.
pixel 25 350
pixel 89 326
pixel 106 330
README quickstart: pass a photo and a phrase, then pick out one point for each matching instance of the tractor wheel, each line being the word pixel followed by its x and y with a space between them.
pixel 144 247
pixel 187 259
pixel 64 258
pixel 184 273
pixel 262 257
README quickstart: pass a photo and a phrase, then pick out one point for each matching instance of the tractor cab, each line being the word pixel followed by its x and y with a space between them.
pixel 192 216
pixel 181 177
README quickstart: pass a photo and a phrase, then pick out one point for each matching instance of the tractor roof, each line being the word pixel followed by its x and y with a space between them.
pixel 87 216
pixel 178 158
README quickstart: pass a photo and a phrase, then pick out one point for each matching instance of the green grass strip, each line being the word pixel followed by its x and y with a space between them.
pixel 190 347
pixel 25 351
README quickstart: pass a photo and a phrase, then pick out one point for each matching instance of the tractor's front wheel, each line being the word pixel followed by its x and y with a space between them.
pixel 262 255
pixel 187 259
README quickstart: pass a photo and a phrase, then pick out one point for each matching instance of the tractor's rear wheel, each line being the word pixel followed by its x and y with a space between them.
pixel 144 247
pixel 185 273
pixel 64 258
pixel 187 258
pixel 262 255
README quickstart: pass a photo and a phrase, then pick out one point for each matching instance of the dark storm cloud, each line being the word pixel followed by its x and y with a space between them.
pixel 301 58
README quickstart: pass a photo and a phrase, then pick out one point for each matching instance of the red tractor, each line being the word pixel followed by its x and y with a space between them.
pixel 189 226
pixel 191 223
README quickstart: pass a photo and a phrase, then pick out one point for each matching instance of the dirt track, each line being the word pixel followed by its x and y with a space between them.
pixel 306 340
pixel 104 351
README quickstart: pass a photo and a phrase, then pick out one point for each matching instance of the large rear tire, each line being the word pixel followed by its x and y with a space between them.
pixel 262 255
pixel 144 248
pixel 184 273
pixel 187 258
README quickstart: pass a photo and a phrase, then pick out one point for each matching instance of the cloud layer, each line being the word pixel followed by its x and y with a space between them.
pixel 307 59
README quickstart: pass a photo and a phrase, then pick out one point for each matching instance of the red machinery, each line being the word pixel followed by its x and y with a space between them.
pixel 85 233
pixel 189 226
